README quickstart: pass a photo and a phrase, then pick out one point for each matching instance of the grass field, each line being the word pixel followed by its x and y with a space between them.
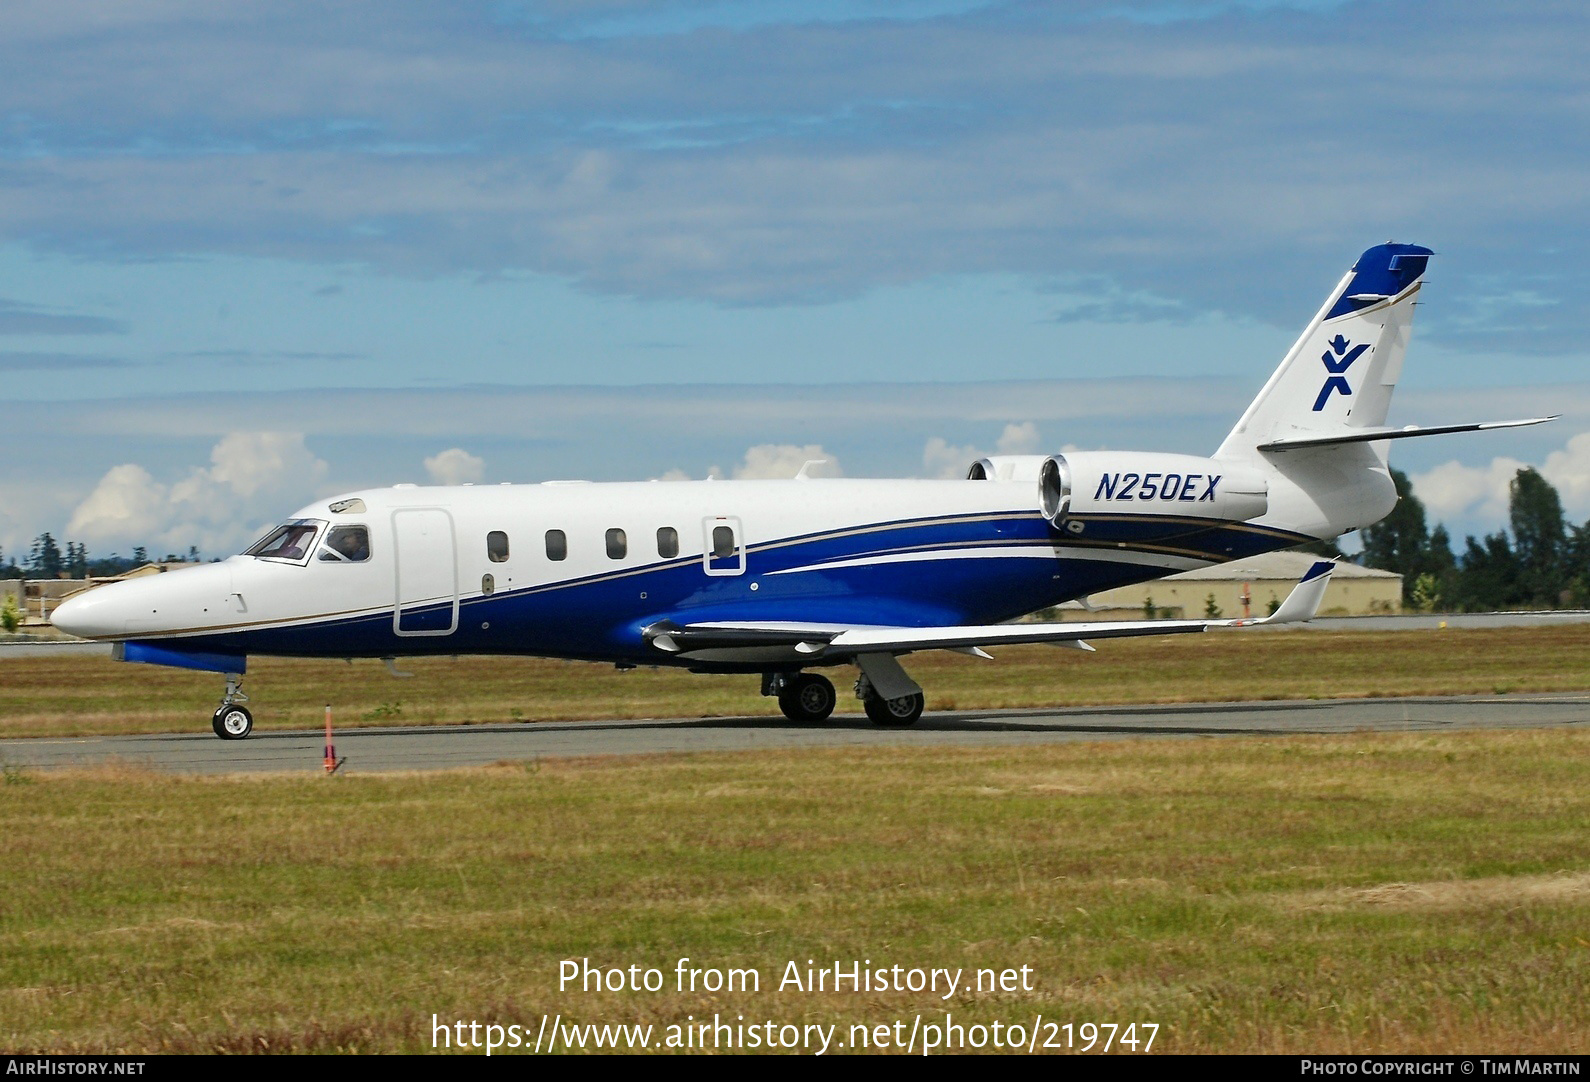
pixel 1407 892
pixel 1359 893
pixel 84 696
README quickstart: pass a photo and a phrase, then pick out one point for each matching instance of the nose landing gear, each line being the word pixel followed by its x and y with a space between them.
pixel 233 722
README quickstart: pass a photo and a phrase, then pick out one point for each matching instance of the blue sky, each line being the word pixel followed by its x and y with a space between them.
pixel 254 252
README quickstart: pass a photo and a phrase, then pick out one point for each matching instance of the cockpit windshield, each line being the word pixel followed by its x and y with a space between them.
pixel 291 541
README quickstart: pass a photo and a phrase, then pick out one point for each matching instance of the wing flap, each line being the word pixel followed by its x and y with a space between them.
pixel 830 641
pixel 943 638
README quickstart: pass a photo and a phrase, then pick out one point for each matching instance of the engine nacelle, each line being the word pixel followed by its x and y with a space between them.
pixel 1007 468
pixel 1083 485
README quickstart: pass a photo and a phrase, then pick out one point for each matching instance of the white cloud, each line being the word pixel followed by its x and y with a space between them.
pixel 1481 493
pixel 1019 439
pixel 250 463
pixel 941 458
pixel 625 433
pixel 746 165
pixel 775 461
pixel 772 462
pixel 1455 491
pixel 1569 471
pixel 127 502
pixel 253 479
pixel 455 466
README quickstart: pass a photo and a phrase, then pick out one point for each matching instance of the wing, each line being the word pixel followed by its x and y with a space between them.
pixel 837 641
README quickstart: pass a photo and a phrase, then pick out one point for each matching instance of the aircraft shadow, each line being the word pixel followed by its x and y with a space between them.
pixel 980 722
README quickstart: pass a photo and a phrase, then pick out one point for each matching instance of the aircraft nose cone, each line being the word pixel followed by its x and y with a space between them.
pixel 76 616
pixel 100 613
pixel 152 605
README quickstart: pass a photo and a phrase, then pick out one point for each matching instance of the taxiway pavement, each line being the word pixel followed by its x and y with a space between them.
pixel 435 747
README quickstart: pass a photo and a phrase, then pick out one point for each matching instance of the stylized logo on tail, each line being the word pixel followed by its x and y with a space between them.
pixel 1336 365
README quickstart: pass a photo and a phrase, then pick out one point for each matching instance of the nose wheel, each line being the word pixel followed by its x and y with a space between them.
pixel 231 721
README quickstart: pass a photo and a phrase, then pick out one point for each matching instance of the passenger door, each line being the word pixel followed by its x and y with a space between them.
pixel 427 572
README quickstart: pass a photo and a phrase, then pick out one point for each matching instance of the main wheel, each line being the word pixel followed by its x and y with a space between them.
pixel 232 722
pixel 894 713
pixel 807 698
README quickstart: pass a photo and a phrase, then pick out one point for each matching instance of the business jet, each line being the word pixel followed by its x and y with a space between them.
pixel 782 578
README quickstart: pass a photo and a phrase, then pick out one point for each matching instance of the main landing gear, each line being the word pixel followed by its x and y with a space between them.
pixel 807 698
pixel 231 721
pixel 899 713
pixel 804 697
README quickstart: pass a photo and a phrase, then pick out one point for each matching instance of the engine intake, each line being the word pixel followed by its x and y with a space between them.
pixel 1006 468
pixel 1054 488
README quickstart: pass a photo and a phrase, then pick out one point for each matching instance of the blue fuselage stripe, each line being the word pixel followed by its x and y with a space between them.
pixel 933 579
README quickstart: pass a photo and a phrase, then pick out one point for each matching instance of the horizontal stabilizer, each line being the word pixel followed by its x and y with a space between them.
pixel 1373 435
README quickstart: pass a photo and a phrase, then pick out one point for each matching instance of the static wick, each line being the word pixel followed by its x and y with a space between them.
pixel 332 763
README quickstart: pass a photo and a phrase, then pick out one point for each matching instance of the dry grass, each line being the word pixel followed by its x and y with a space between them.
pixel 85 696
pixel 1360 893
pixel 1449 894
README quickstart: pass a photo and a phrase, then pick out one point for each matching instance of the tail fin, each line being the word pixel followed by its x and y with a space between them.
pixel 1339 376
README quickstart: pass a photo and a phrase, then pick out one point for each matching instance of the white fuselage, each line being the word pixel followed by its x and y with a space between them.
pixel 581 569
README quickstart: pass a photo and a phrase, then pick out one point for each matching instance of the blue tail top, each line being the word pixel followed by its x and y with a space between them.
pixel 1383 271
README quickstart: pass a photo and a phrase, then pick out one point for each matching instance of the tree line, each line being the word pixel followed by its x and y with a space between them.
pixel 47 560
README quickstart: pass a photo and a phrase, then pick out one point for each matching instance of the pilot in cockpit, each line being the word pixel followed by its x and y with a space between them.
pixel 350 543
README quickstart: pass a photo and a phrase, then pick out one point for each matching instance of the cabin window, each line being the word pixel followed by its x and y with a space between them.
pixel 617 544
pixel 557 545
pixel 346 544
pixel 722 542
pixel 497 547
pixel 287 542
pixel 667 542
